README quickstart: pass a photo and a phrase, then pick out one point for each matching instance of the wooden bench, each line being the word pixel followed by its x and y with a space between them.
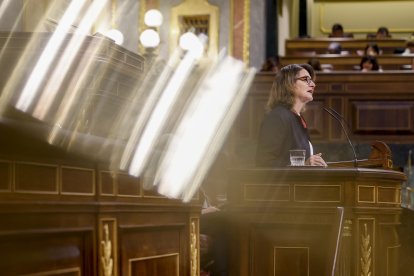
pixel 298 46
pixel 351 62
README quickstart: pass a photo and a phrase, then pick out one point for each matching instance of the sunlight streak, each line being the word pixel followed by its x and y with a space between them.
pixel 60 71
pixel 202 130
pixel 48 55
pixel 160 114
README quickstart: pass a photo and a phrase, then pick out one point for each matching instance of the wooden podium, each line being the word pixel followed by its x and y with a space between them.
pixel 314 221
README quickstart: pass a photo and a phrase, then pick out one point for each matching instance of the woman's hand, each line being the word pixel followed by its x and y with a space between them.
pixel 316 160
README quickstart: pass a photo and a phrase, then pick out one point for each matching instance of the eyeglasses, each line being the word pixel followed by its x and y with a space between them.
pixel 306 79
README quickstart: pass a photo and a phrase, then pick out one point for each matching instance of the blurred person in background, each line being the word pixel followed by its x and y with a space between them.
pixel 271 64
pixel 369 63
pixel 337 30
pixel 372 49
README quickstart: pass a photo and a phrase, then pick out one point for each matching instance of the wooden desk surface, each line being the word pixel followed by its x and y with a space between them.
pixel 350 62
pixel 320 45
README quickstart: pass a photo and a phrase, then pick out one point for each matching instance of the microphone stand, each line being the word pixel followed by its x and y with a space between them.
pixel 332 113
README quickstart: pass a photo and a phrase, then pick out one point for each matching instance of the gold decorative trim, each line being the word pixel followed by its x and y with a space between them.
pixel 177 255
pixel 153 196
pixel 373 194
pixel 366 245
pixel 65 271
pixel 106 257
pixel 247 198
pixel 108 247
pixel 246 32
pixel 325 201
pixel 347 229
pixel 10 174
pixel 195 8
pixel 366 250
pixel 231 29
pixel 129 196
pixel 194 247
pixel 327 30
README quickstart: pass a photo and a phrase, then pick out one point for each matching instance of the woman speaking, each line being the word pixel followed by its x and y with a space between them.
pixel 283 127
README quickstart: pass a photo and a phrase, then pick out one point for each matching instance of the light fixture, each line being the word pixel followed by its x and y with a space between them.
pixel 149 38
pixel 153 18
pixel 115 35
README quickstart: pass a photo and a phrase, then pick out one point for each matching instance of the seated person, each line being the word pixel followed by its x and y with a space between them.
pixel 409 50
pixel 315 63
pixel 283 127
pixel 369 63
pixel 371 49
pixel 381 33
pixel 334 48
pixel 317 66
pixel 338 31
pixel 271 65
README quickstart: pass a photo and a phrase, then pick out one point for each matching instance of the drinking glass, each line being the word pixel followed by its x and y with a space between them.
pixel 297 157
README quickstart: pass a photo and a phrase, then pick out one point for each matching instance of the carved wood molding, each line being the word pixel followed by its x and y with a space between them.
pixel 194 247
pixel 108 247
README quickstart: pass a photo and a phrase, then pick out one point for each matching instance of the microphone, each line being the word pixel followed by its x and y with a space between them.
pixel 335 115
pixel 340 116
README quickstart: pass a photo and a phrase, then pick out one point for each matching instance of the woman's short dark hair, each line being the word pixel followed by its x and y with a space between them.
pixel 372 60
pixel 337 27
pixel 283 85
pixel 374 46
pixel 383 31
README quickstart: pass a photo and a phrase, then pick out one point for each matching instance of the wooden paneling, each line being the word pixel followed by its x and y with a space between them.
pixel 44 242
pixel 128 185
pixel 291 260
pixel 5 176
pixel 153 249
pixel 155 265
pixel 66 231
pixel 383 117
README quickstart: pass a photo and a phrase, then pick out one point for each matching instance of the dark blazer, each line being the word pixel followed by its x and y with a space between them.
pixel 281 131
